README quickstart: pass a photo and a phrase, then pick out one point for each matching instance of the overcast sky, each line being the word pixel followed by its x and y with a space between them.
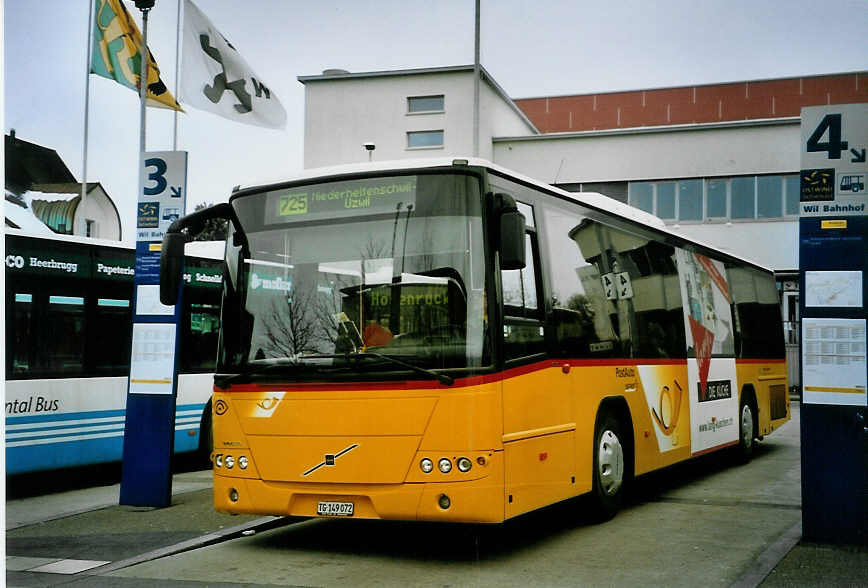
pixel 531 48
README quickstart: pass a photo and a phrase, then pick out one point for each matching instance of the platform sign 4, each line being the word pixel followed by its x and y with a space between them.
pixel 834 169
pixel 163 194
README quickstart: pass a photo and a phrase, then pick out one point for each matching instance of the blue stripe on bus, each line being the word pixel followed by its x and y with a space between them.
pixel 199 406
pixel 46 418
pixel 186 419
pixel 29 458
pixel 118 423
pixel 95 414
pixel 115 428
pixel 185 442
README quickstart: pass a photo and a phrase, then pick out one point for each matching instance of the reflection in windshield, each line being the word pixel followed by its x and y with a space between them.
pixel 408 283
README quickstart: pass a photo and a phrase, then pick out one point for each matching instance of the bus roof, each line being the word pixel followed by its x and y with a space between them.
pixel 203 249
pixel 593 200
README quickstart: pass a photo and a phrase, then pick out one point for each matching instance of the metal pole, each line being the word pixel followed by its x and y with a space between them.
pixel 81 204
pixel 476 74
pixel 143 96
pixel 177 74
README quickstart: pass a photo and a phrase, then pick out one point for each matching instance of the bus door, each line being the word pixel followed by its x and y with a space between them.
pixel 538 421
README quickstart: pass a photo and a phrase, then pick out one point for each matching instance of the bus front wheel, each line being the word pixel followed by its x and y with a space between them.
pixel 746 431
pixel 608 480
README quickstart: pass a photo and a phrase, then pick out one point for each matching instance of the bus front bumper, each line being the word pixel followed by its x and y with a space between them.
pixel 480 500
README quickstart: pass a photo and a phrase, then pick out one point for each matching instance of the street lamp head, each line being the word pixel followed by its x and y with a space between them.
pixel 369 146
pixel 144 4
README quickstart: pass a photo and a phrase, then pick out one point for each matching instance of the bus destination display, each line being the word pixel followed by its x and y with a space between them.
pixel 341 199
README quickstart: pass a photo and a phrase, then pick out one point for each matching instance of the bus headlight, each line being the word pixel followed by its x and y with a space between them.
pixel 426 465
pixel 464 464
pixel 445 465
pixel 218 460
pixel 242 462
pixel 230 462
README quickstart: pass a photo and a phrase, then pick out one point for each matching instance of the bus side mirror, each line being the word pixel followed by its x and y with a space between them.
pixel 512 224
pixel 512 240
pixel 171 267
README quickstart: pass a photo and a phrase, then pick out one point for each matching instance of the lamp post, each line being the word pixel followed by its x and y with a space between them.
pixel 145 6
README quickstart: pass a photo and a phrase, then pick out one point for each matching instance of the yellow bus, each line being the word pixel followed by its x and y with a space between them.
pixel 448 340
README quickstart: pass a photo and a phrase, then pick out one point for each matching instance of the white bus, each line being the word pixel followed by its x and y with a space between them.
pixel 68 327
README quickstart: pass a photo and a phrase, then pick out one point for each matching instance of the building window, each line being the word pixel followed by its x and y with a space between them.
pixel 715 198
pixel 642 196
pixel 425 104
pixel 666 200
pixel 768 197
pixel 791 195
pixel 718 199
pixel 742 191
pixel 690 200
pixel 424 139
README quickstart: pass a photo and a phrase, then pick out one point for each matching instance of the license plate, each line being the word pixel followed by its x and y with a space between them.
pixel 335 509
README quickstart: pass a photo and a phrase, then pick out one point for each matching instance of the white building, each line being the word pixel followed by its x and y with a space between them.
pixel 404 114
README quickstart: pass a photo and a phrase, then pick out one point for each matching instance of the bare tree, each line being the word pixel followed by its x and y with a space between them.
pixel 290 328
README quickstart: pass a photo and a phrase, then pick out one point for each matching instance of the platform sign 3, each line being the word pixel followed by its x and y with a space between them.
pixel 163 193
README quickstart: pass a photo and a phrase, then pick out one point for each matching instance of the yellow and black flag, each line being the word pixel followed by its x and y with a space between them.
pixel 116 55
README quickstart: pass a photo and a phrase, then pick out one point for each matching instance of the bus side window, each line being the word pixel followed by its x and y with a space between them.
pixel 110 340
pixel 756 314
pixel 580 310
pixel 523 331
pixel 20 340
pixel 65 348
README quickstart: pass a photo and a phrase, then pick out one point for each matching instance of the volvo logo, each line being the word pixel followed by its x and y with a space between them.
pixel 329 459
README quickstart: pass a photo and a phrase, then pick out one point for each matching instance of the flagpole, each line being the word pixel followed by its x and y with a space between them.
pixel 145 6
pixel 476 75
pixel 177 73
pixel 83 224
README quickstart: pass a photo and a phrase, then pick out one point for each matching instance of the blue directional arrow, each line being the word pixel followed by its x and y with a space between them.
pixel 176 191
pixel 858 156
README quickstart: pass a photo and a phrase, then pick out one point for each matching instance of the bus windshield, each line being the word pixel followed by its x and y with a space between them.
pixel 388 266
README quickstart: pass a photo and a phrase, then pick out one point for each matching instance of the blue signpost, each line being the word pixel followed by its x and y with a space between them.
pixel 833 259
pixel 149 432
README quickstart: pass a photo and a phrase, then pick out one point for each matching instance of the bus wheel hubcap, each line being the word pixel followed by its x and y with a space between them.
pixel 610 461
pixel 746 426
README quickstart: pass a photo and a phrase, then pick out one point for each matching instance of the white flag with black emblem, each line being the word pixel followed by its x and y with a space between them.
pixel 216 78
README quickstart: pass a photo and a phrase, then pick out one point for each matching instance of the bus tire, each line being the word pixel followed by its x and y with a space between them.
pixel 746 430
pixel 206 436
pixel 609 467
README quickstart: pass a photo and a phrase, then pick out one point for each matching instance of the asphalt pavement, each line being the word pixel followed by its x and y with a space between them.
pixel 84 538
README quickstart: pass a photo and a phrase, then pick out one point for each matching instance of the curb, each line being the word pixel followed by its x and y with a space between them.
pixel 263 524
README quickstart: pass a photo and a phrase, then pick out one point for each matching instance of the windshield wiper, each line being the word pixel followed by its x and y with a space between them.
pixel 443 378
